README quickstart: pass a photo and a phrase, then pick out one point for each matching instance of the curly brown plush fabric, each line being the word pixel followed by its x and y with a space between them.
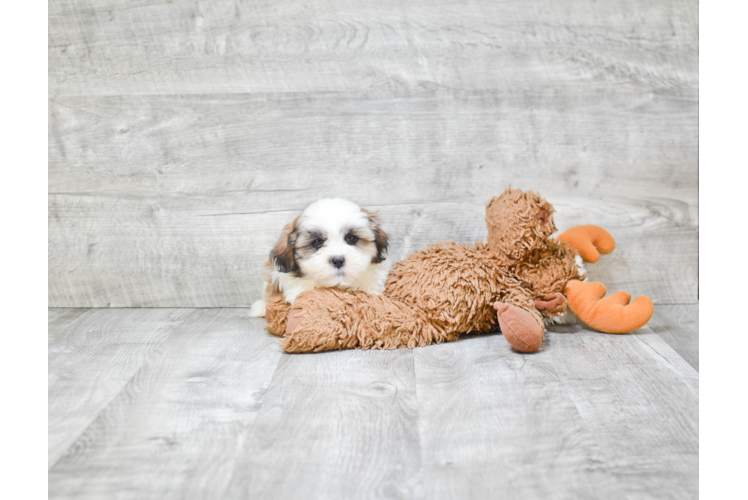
pixel 519 222
pixel 448 289
pixel 335 319
pixel 276 314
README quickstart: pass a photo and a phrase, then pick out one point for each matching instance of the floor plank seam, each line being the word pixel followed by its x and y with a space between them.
pixel 419 423
pixel 108 404
pixel 640 338
pixel 602 457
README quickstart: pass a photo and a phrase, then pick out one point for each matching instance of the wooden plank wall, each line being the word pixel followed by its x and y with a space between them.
pixel 184 135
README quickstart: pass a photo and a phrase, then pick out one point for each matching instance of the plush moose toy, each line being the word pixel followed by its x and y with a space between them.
pixel 517 279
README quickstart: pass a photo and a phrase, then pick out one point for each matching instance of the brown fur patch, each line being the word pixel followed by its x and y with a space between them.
pixel 380 237
pixel 282 255
pixel 276 314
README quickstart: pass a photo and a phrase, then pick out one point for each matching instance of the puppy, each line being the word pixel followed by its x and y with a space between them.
pixel 333 243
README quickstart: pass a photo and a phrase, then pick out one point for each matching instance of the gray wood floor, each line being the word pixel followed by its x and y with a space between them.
pixel 201 403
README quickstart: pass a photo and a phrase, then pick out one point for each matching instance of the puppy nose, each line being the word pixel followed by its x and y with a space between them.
pixel 338 261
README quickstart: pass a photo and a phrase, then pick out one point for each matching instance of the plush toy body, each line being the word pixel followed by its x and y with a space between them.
pixel 449 289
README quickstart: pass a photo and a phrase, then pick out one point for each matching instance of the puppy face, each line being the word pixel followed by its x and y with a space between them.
pixel 332 243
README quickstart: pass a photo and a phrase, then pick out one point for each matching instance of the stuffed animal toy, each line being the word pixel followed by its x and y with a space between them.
pixel 515 280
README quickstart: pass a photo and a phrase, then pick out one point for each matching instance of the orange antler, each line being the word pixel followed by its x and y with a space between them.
pixel 590 241
pixel 613 314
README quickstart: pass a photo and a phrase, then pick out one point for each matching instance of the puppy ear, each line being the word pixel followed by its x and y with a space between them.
pixel 282 255
pixel 380 237
pixel 380 240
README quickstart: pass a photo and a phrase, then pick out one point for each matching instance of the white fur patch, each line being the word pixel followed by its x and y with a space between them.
pixel 260 306
pixel 567 318
pixel 371 281
pixel 258 309
pixel 580 266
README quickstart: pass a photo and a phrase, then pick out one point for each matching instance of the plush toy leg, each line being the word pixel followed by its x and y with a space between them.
pixel 294 318
pixel 520 327
pixel 327 319
pixel 551 304
pixel 276 314
pixel 590 241
pixel 613 314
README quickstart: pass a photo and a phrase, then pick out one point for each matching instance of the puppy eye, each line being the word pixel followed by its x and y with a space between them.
pixel 317 243
pixel 351 239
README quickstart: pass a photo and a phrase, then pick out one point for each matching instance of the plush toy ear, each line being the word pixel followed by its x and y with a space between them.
pixel 380 238
pixel 282 255
pixel 544 216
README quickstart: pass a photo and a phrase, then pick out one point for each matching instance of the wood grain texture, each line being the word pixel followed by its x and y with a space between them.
pixel 92 355
pixel 175 428
pixel 334 426
pixel 284 151
pixel 175 201
pixel 678 325
pixel 162 114
pixel 639 399
pixel 489 417
pixel 109 251
pixel 61 320
pixel 701 443
pixel 159 47
pixel 607 417
pixel 589 416
pixel 216 411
